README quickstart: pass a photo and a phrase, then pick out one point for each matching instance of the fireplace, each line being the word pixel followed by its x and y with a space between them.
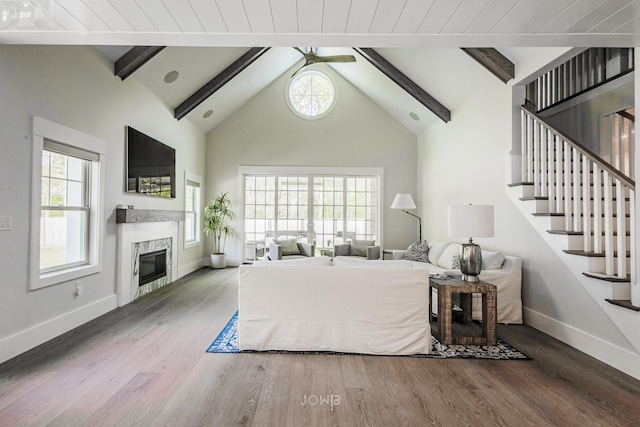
pixel 136 239
pixel 153 266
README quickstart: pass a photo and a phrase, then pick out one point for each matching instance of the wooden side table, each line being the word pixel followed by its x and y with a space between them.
pixel 455 285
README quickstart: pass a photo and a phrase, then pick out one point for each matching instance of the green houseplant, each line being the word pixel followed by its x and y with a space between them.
pixel 217 214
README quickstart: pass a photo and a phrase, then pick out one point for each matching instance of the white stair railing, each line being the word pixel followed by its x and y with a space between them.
pixel 594 197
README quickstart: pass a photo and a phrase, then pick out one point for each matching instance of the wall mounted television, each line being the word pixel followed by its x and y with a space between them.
pixel 150 165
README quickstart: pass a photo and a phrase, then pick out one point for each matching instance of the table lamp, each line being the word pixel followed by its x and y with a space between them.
pixel 471 221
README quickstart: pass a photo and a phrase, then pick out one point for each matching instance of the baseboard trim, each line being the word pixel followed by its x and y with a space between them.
pixel 23 341
pixel 606 352
pixel 190 268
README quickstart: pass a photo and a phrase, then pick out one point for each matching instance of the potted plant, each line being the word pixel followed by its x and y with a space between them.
pixel 217 214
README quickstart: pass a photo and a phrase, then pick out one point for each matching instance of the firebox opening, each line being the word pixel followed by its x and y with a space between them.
pixel 153 266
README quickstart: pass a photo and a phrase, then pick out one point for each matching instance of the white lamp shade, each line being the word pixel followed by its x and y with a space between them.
pixel 403 201
pixel 471 221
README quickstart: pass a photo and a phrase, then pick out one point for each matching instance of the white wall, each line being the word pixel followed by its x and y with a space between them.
pixel 73 86
pixel 356 133
pixel 465 161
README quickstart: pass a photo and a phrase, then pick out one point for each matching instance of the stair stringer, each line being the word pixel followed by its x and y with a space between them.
pixel 625 320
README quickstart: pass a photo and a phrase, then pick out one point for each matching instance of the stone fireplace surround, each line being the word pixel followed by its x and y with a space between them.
pixel 138 237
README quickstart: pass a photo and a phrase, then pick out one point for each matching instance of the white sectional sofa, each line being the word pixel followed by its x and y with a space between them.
pixel 309 305
pixel 504 271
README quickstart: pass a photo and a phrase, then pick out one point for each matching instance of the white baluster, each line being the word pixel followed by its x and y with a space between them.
pixel 575 171
pixel 544 153
pixel 536 159
pixel 621 244
pixel 551 171
pixel 597 209
pixel 566 152
pixel 586 204
pixel 559 173
pixel 608 225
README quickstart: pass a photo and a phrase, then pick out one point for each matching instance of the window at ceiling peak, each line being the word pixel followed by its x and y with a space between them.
pixel 311 94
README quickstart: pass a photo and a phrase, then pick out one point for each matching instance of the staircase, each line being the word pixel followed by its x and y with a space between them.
pixel 584 208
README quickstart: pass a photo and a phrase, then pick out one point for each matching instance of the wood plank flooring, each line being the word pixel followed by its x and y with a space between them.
pixel 145 365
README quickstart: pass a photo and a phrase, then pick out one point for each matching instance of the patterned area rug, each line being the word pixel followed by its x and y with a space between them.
pixel 227 342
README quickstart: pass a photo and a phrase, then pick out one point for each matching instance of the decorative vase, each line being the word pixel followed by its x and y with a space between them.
pixel 218 260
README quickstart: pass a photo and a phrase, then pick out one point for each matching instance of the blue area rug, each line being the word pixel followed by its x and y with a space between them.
pixel 227 342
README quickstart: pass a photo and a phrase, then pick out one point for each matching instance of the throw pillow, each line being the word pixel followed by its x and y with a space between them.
pixel 359 247
pixel 435 251
pixel 446 260
pixel 492 260
pixel 455 262
pixel 417 251
pixel 289 247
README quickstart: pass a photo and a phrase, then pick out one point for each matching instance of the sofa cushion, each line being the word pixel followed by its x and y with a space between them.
pixel 289 247
pixel 359 247
pixel 323 261
pixel 450 257
pixel 435 251
pixel 417 251
pixel 492 260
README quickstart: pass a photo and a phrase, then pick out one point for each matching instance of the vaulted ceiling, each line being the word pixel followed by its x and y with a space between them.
pixel 203 37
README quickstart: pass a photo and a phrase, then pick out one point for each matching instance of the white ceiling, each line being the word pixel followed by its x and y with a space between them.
pixel 205 36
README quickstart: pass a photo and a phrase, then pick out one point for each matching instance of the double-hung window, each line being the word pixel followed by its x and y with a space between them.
pixel 191 210
pixel 66 204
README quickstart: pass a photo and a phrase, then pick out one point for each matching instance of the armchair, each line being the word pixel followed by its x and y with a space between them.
pixel 290 249
pixel 358 248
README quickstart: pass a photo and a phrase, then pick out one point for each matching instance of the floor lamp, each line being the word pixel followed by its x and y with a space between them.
pixel 404 201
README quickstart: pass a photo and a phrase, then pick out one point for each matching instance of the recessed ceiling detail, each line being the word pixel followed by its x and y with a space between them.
pixel 171 76
pixel 414 116
pixel 207 114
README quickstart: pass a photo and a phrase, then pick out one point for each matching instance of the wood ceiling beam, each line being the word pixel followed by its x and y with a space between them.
pixel 219 81
pixel 402 80
pixel 135 58
pixel 498 64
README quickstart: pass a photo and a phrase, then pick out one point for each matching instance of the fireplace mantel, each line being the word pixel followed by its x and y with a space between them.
pixel 134 216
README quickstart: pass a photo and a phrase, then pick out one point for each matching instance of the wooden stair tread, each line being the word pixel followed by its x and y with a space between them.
pixel 580 233
pixel 623 303
pixel 565 232
pixel 589 253
pixel 607 278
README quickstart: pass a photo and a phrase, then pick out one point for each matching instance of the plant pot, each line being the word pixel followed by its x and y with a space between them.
pixel 218 260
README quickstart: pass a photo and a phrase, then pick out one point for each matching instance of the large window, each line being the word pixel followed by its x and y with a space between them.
pixel 66 204
pixel 325 209
pixel 191 210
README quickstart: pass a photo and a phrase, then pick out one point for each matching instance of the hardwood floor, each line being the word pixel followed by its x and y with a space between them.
pixel 145 365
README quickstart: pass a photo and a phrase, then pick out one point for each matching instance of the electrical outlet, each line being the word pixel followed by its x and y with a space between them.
pixel 78 289
pixel 6 223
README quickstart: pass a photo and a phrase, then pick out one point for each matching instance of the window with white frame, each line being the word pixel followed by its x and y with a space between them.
pixel 311 94
pixel 191 210
pixel 66 204
pixel 321 208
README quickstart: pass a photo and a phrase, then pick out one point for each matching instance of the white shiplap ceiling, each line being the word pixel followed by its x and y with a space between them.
pixel 205 36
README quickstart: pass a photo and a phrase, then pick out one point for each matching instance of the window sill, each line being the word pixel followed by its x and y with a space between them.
pixel 189 245
pixel 57 277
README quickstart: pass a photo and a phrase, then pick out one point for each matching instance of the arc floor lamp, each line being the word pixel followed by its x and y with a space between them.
pixel 404 201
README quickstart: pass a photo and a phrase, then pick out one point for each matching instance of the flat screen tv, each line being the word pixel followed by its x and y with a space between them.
pixel 151 165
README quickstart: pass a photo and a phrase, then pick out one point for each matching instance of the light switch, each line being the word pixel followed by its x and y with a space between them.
pixel 6 223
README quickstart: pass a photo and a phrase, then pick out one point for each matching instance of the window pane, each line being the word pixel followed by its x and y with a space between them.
pixel 63 239
pixel 189 226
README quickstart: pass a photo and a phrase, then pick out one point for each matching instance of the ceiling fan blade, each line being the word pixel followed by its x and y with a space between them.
pixel 298 70
pixel 300 50
pixel 336 58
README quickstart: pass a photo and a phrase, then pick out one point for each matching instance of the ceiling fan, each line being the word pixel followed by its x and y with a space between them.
pixel 312 58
